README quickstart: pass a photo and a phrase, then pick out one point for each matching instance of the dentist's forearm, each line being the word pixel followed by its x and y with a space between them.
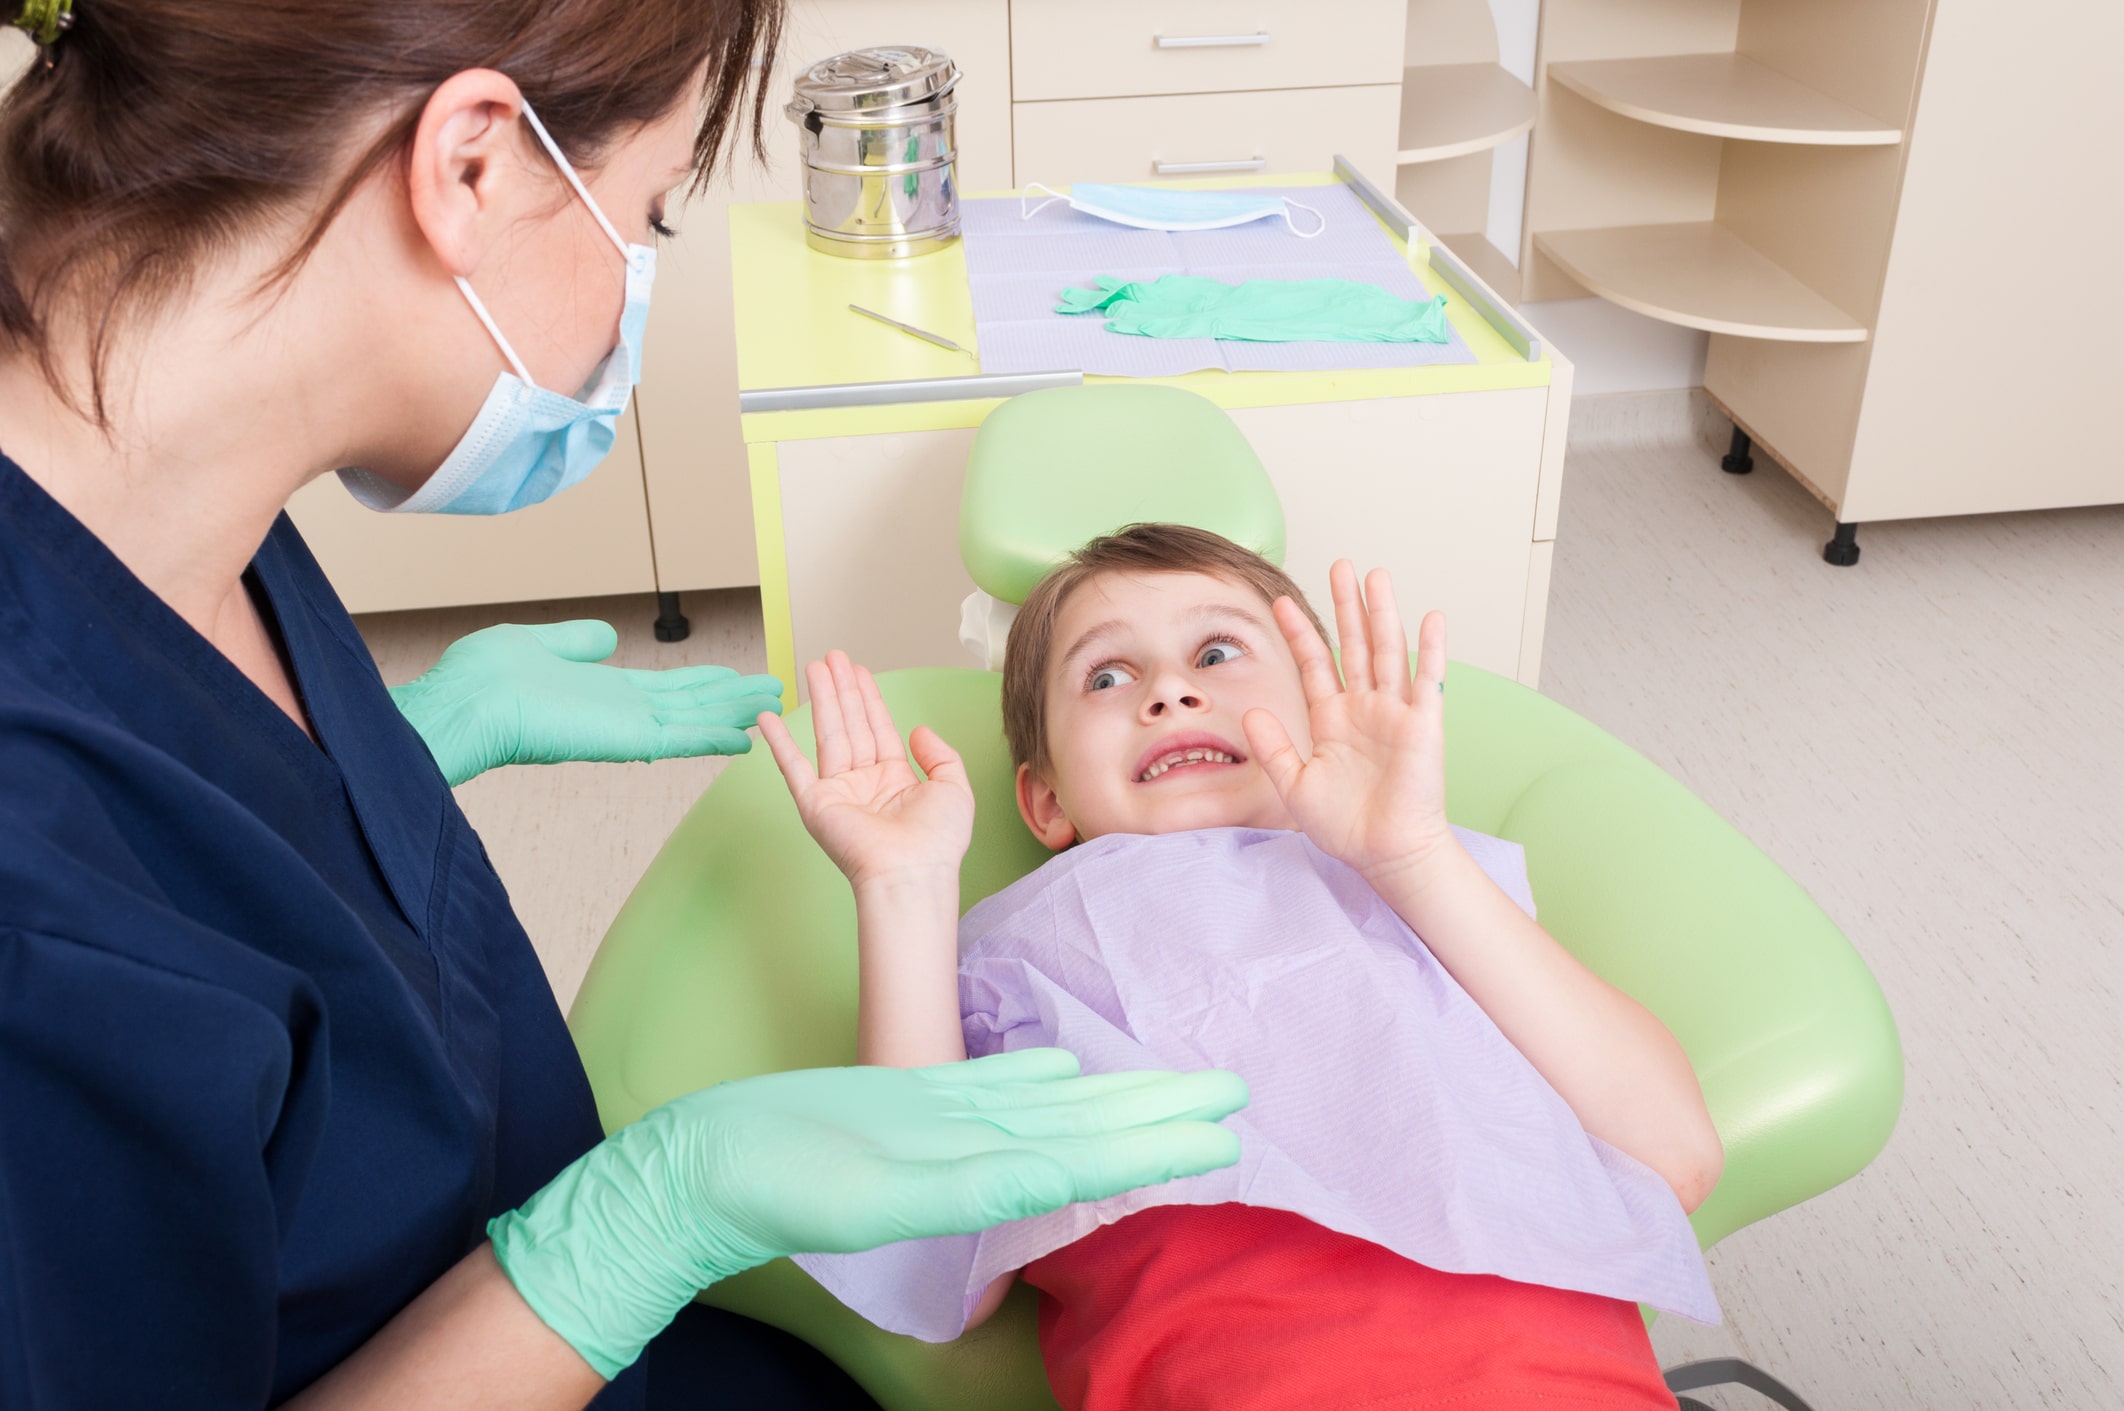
pixel 1619 1068
pixel 468 1343
pixel 907 944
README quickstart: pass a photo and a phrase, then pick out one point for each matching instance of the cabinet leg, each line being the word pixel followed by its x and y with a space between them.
pixel 671 624
pixel 1843 550
pixel 1737 460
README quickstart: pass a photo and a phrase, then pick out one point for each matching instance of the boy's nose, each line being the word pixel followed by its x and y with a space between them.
pixel 1171 693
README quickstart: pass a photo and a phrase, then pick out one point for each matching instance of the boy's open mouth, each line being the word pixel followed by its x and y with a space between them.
pixel 1184 754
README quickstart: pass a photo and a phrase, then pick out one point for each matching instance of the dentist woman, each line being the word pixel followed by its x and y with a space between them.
pixel 287 1111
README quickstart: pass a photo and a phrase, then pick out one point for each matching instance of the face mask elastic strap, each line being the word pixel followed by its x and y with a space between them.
pixel 1303 234
pixel 1031 186
pixel 516 364
pixel 553 149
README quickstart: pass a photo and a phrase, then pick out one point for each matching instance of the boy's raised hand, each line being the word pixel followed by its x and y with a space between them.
pixel 866 806
pixel 1373 792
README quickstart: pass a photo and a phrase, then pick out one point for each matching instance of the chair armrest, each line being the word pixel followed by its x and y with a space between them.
pixel 1790 1035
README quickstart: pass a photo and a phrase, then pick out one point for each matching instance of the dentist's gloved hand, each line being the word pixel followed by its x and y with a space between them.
pixel 832 1160
pixel 534 695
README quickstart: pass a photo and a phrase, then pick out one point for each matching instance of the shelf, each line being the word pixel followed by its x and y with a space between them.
pixel 1450 110
pixel 1720 95
pixel 1488 262
pixel 1699 275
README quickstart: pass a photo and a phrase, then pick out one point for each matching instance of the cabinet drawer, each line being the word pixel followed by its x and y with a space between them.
pixel 1126 139
pixel 1131 48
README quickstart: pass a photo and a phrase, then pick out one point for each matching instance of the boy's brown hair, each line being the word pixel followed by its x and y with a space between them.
pixel 1139 548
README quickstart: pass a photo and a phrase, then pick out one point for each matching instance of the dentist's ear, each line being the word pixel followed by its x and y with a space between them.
pixel 1042 811
pixel 464 168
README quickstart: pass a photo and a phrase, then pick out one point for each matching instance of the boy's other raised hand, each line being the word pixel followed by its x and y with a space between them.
pixel 867 807
pixel 1373 791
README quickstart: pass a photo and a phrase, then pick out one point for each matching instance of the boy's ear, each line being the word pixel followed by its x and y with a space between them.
pixel 1042 811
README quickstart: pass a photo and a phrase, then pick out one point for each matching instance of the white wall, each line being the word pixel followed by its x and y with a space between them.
pixel 1615 350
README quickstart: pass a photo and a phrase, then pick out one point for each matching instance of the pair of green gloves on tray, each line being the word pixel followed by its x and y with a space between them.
pixel 820 1161
pixel 1260 310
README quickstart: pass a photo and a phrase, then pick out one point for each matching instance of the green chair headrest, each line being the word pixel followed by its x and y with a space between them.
pixel 1054 469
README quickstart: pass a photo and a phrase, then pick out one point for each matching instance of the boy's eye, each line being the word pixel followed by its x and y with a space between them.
pixel 1217 653
pixel 1108 677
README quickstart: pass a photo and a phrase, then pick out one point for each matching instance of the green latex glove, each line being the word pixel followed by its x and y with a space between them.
pixel 831 1160
pixel 534 695
pixel 1261 310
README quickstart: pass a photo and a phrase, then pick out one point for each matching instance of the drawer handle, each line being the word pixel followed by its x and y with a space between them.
pixel 1196 168
pixel 1210 41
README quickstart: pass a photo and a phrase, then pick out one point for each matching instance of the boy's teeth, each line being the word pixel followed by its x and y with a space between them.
pixel 1196 756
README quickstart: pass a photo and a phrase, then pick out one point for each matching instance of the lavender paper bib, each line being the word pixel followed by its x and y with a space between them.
pixel 1386 1104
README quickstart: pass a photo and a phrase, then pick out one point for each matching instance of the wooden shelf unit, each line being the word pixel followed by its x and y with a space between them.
pixel 1722 95
pixel 1818 184
pixel 1453 110
pixel 1700 275
pixel 1464 119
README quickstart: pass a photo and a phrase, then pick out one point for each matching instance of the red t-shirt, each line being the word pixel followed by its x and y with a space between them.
pixel 1234 1308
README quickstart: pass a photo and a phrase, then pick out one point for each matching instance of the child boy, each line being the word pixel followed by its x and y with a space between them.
pixel 1466 1154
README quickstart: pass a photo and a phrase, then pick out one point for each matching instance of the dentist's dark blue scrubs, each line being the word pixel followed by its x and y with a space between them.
pixel 273 1046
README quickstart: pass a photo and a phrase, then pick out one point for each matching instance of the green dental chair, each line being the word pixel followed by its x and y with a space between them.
pixel 735 954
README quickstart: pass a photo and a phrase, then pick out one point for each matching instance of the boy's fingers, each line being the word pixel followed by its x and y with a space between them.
pixel 1388 639
pixel 884 735
pixel 1316 665
pixel 796 770
pixel 827 726
pixel 862 745
pixel 1430 656
pixel 937 759
pixel 1273 750
pixel 1350 628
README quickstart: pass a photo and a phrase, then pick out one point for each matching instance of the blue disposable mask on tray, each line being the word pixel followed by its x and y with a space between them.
pixel 1164 208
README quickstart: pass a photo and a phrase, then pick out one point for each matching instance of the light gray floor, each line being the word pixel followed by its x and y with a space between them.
pixel 1931 742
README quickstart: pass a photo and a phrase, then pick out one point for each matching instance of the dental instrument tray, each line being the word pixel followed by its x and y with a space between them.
pixel 1017 268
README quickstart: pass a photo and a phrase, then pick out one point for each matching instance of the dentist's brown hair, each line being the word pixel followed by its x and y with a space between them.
pixel 153 134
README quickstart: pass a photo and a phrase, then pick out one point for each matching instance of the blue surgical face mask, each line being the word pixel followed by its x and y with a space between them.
pixel 1163 208
pixel 528 444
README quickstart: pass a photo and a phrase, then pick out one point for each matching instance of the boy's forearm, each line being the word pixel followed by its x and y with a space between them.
pixel 907 944
pixel 1621 1071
